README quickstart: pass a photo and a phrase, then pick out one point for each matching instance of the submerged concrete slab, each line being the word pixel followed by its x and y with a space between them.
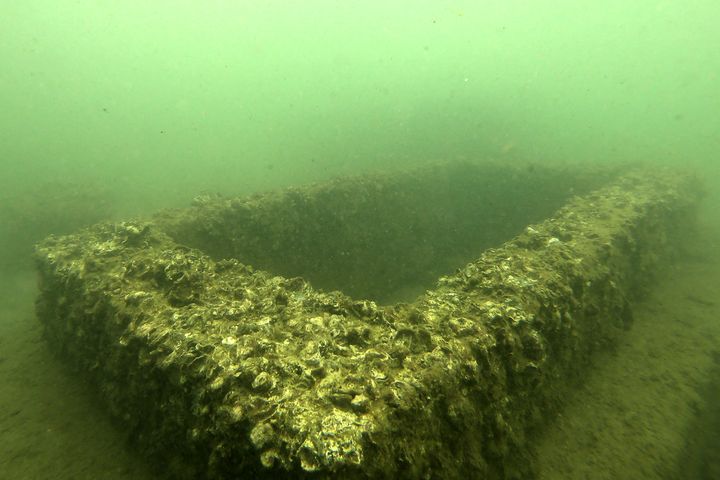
pixel 223 369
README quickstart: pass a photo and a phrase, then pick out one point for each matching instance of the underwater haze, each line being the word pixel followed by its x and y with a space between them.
pixel 157 101
pixel 111 109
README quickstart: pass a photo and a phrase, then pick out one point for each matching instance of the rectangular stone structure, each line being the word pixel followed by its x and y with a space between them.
pixel 327 332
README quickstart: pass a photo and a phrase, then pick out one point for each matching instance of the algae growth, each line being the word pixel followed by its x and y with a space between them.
pixel 223 370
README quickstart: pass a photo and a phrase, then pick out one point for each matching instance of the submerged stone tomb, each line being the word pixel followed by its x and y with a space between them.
pixel 412 324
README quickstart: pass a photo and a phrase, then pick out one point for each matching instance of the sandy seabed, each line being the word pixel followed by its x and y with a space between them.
pixel 645 410
pixel 649 409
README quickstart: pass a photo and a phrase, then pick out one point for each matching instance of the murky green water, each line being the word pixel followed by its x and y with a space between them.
pixel 117 108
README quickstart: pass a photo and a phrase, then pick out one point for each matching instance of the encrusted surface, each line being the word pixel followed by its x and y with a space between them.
pixel 224 370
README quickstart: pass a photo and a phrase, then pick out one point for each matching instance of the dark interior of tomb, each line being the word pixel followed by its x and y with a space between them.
pixel 384 237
